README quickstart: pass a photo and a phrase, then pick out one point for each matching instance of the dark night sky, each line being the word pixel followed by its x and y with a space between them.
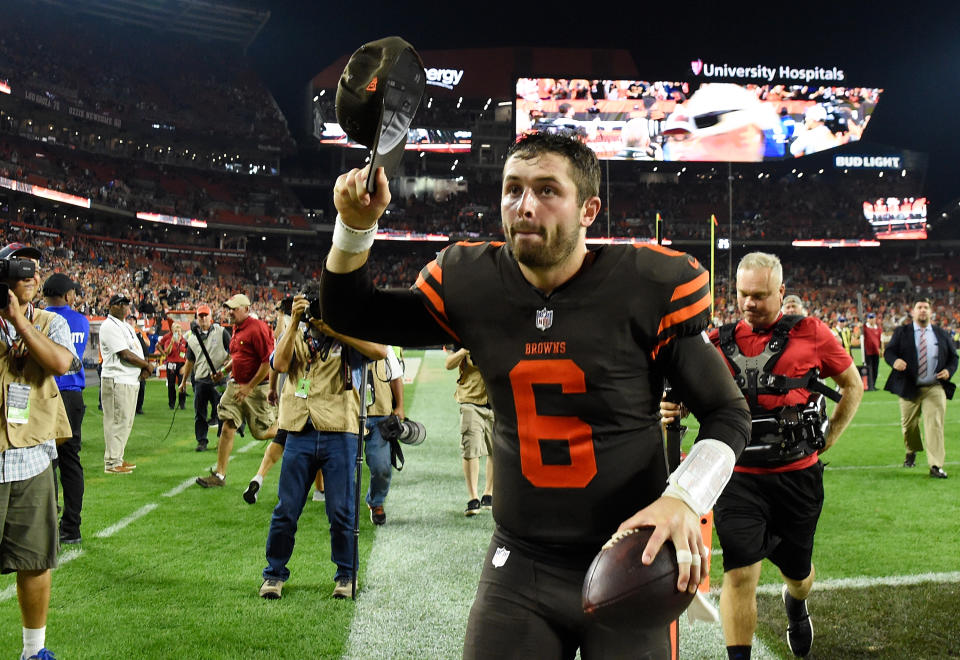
pixel 913 52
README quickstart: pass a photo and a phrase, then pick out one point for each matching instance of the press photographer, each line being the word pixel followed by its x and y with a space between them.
pixel 35 347
pixel 320 409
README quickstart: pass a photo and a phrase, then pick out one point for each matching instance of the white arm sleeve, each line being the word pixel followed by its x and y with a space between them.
pixel 702 476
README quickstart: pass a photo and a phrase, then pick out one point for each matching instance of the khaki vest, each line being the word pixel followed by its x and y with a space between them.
pixel 328 406
pixel 48 417
pixel 214 344
pixel 383 403
pixel 470 387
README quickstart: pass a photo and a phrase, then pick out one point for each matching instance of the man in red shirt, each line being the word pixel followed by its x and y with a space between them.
pixel 173 351
pixel 247 398
pixel 872 343
pixel 770 508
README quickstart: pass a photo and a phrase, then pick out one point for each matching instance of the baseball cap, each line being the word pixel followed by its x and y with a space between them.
pixel 203 309
pixel 842 319
pixel 793 298
pixel 119 299
pixel 58 284
pixel 237 300
pixel 377 96
pixel 19 250
pixel 871 315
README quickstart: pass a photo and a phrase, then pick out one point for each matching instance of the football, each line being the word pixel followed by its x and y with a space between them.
pixel 619 590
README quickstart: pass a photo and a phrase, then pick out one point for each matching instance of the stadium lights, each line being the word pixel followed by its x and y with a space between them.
pixel 799 175
pixel 821 171
pixel 903 173
pixel 316 98
pixel 880 175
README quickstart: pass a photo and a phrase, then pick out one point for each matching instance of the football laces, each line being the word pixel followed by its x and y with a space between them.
pixel 617 537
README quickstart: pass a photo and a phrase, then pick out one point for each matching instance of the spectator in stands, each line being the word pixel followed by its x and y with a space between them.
pixel 208 360
pixel 35 347
pixel 246 396
pixel 59 291
pixel 124 368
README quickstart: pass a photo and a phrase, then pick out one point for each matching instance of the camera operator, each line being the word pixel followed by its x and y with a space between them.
pixel 35 347
pixel 771 506
pixel 208 359
pixel 386 375
pixel 320 408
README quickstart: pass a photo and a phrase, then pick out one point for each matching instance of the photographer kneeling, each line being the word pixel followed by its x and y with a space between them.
pixel 35 347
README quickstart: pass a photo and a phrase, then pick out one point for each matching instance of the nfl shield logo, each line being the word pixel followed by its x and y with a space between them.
pixel 544 318
pixel 500 557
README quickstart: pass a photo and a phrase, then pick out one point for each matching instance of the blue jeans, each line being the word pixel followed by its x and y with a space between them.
pixel 378 460
pixel 335 454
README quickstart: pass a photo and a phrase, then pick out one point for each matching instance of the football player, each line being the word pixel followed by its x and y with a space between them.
pixel 574 346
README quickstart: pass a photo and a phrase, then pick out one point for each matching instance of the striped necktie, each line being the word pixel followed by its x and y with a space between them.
pixel 922 354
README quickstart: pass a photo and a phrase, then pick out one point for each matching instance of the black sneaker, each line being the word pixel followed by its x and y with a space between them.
pixel 486 502
pixel 910 460
pixel 799 629
pixel 377 515
pixel 473 508
pixel 70 540
pixel 201 446
pixel 937 473
pixel 252 491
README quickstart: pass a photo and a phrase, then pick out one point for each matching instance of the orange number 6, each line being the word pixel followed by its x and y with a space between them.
pixel 532 428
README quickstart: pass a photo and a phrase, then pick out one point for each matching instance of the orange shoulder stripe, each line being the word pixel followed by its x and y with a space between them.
pixel 684 313
pixel 685 290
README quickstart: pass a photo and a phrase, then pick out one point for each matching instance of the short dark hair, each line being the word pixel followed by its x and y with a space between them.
pixel 584 166
pixel 922 299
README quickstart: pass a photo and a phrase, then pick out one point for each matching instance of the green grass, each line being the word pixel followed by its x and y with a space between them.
pixel 182 580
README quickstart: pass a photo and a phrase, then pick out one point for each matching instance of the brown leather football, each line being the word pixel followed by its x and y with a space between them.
pixel 619 590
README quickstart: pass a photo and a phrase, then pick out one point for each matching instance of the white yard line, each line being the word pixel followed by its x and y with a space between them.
pixel 65 557
pixel 117 526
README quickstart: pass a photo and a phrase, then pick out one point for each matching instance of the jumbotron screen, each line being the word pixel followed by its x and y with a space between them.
pixel 434 140
pixel 893 218
pixel 681 121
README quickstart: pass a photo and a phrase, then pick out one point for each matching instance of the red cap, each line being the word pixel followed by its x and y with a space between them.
pixel 203 309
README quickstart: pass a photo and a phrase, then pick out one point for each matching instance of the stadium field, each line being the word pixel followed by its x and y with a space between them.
pixel 170 570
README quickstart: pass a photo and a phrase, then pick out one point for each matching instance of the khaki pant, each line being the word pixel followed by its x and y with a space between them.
pixel 119 408
pixel 931 402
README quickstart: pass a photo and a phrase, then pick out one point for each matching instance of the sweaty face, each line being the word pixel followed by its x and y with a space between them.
pixel 759 296
pixel 539 209
pixel 921 313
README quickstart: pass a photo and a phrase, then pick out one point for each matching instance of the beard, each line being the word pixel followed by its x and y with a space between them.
pixel 548 251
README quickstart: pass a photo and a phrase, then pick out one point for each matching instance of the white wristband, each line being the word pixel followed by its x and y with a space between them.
pixel 702 475
pixel 352 240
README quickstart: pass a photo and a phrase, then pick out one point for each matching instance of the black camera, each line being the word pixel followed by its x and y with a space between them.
pixel 17 269
pixel 312 293
pixel 406 431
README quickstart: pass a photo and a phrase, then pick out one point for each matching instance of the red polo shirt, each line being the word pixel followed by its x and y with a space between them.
pixel 250 346
pixel 871 339
pixel 811 344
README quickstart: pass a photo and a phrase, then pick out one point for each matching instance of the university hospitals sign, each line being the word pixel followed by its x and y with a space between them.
pixel 764 72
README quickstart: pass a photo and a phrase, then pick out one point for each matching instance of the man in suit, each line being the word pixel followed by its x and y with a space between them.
pixel 923 360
